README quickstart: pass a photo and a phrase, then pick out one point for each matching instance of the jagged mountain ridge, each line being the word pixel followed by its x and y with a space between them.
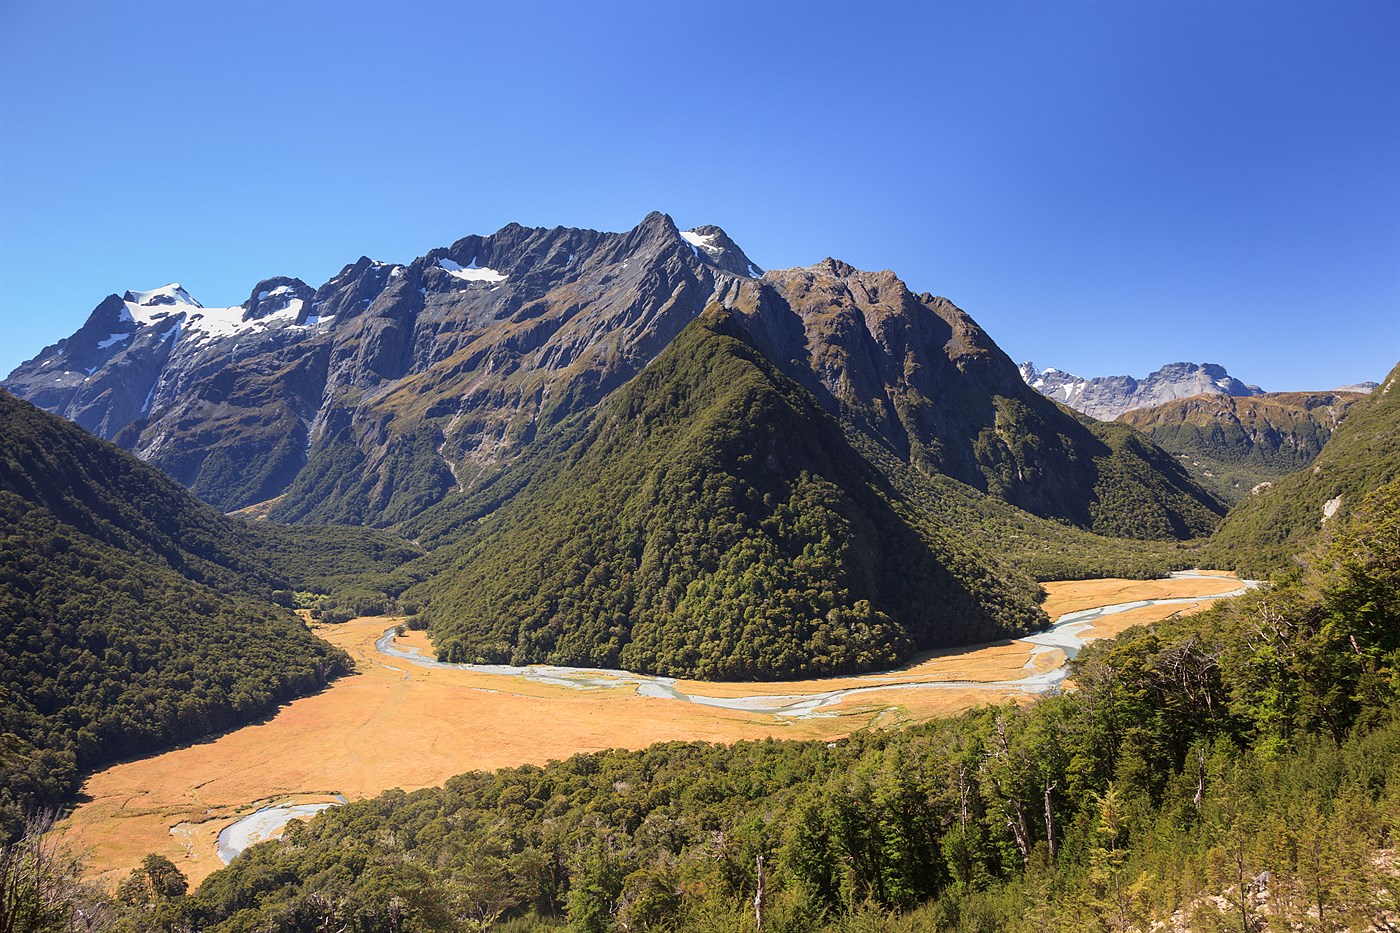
pixel 1108 397
pixel 235 411
pixel 391 385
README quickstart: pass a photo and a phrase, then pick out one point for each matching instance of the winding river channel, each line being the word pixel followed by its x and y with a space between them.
pixel 1064 635
pixel 1067 635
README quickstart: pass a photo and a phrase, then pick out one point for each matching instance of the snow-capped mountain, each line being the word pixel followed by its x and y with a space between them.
pixel 1107 397
pixel 484 337
pixel 374 396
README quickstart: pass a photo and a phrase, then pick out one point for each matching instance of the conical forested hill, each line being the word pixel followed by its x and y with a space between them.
pixel 132 615
pixel 710 520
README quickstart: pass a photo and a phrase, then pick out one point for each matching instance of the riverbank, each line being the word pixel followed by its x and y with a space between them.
pixel 399 723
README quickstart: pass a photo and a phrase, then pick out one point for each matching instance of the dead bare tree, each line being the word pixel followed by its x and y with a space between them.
pixel 758 898
pixel 41 885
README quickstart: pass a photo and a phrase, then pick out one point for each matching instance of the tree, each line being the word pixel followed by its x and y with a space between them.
pixel 156 880
pixel 41 890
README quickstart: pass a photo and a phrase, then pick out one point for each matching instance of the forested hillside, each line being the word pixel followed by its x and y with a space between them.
pixel 710 521
pixel 134 615
pixel 1234 768
pixel 1266 528
pixel 1232 444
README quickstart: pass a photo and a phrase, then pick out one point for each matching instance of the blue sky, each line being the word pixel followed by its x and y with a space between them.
pixel 1104 187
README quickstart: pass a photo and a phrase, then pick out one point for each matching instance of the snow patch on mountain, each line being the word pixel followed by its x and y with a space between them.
pixel 172 294
pixel 470 273
pixel 699 241
pixel 159 305
pixel 212 323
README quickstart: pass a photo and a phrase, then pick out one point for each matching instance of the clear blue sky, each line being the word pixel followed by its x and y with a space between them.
pixel 1104 187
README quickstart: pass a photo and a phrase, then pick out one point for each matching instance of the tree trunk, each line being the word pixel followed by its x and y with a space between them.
pixel 1016 822
pixel 758 898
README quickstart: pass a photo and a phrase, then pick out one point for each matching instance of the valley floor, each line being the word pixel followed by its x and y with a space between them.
pixel 397 723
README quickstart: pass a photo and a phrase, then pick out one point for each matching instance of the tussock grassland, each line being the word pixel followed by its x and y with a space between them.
pixel 395 724
pixel 1074 595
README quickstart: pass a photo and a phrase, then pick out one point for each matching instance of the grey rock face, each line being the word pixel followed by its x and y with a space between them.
pixel 278 296
pixel 372 397
pixel 1107 397
pixel 403 376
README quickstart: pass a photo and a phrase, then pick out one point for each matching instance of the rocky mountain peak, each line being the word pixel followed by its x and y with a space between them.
pixel 279 295
pixel 657 222
pixel 173 294
pixel 713 245
pixel 834 267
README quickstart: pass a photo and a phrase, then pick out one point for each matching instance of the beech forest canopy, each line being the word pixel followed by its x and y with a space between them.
pixel 135 615
pixel 1196 754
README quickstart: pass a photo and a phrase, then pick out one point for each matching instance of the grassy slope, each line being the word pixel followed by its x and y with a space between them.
pixel 1264 530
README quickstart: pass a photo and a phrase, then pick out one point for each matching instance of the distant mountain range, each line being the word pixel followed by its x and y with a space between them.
pixel 1107 397
pixel 1110 397
pixel 1229 435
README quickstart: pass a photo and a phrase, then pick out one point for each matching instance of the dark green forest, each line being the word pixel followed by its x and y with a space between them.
pixel 1263 531
pixel 1235 769
pixel 135 616
pixel 712 521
